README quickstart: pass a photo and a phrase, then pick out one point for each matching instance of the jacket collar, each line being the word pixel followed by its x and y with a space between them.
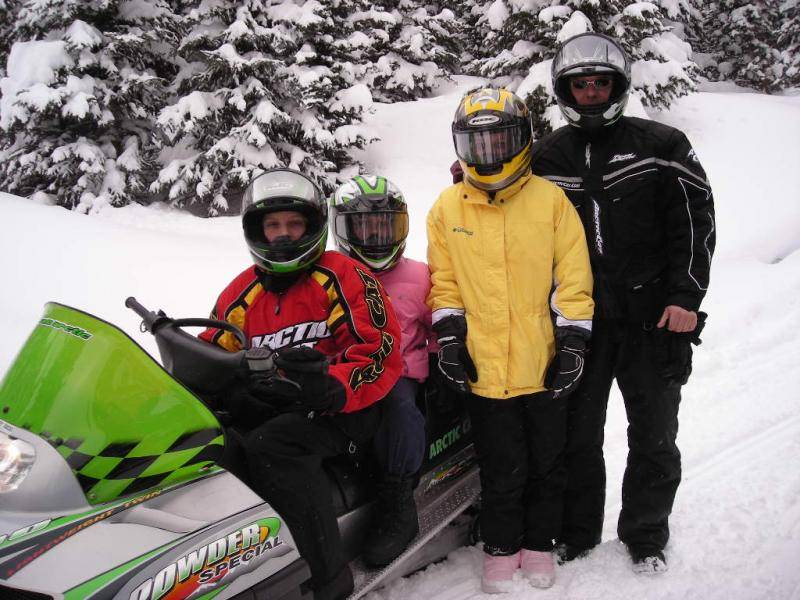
pixel 474 195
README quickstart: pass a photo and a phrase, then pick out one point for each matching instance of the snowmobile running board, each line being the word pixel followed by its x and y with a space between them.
pixel 437 513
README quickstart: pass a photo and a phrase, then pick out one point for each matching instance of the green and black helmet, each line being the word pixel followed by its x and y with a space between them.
pixel 369 221
pixel 284 190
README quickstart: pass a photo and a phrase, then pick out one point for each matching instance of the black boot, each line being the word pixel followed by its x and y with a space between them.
pixel 395 522
pixel 338 588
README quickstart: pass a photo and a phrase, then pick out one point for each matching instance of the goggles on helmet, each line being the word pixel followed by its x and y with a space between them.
pixel 284 190
pixel 372 230
pixel 582 84
pixel 369 221
pixel 494 145
pixel 589 54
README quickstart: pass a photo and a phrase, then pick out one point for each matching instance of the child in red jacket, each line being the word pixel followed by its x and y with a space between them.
pixel 334 334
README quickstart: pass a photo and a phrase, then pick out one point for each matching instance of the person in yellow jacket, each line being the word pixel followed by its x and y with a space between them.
pixel 512 309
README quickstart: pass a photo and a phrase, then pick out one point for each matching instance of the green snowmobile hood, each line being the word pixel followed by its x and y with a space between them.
pixel 121 422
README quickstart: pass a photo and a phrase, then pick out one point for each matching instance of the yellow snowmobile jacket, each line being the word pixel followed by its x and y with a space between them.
pixel 510 264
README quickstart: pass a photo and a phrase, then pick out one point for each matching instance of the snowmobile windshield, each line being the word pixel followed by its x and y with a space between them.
pixel 119 420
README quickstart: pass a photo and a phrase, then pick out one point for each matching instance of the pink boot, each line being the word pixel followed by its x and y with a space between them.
pixel 537 568
pixel 498 572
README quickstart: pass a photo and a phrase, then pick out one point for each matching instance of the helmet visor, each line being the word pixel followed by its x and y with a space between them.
pixel 278 189
pixel 372 230
pixel 491 147
pixel 589 54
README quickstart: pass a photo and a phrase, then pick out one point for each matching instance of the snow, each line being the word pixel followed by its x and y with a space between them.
pixel 577 24
pixel 497 14
pixel 194 106
pixel 303 16
pixel 357 98
pixel 31 65
pixel 547 15
pixel 736 522
pixel 640 10
pixel 82 35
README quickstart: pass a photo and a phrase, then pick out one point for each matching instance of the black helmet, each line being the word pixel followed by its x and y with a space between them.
pixel 279 190
pixel 357 201
pixel 591 54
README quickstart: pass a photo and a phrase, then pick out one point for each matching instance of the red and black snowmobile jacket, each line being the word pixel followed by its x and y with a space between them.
pixel 337 306
pixel 647 209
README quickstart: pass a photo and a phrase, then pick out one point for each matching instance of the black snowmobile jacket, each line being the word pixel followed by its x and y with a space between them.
pixel 647 209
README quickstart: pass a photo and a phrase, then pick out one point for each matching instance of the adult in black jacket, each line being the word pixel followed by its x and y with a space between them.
pixel 648 212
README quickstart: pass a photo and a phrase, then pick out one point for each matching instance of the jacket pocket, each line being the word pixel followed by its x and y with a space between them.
pixel 646 299
pixel 672 354
pixel 633 220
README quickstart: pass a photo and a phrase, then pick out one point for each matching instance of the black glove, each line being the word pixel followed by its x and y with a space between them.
pixel 308 368
pixel 244 407
pixel 673 351
pixel 566 369
pixel 455 363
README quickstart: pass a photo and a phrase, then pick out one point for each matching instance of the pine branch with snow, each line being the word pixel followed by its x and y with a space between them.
pixel 661 65
pixel 76 103
pixel 789 44
pixel 745 44
pixel 258 89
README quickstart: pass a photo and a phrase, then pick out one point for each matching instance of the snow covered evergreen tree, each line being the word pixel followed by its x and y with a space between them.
pixel 8 16
pixel 400 49
pixel 662 69
pixel 516 36
pixel 79 99
pixel 426 47
pixel 744 40
pixel 789 43
pixel 258 89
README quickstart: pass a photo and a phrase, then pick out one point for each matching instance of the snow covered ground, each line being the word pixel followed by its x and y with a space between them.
pixel 736 523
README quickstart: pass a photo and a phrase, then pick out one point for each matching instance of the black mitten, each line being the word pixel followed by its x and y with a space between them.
pixel 308 368
pixel 245 407
pixel 566 368
pixel 455 363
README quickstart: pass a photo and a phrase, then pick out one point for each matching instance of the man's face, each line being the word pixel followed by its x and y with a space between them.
pixel 372 228
pixel 589 90
pixel 286 224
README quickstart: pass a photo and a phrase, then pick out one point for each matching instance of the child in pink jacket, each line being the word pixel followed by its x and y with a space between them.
pixel 369 222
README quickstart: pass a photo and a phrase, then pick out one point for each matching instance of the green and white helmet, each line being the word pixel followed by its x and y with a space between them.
pixel 284 190
pixel 369 221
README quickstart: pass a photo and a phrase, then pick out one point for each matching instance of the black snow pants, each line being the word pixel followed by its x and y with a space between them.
pixel 627 352
pixel 520 444
pixel 284 459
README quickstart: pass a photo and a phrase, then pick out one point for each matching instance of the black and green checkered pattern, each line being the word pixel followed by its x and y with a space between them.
pixel 119 470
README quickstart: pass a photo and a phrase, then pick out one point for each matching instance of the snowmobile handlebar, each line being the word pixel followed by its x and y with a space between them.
pixel 148 318
pixel 204 368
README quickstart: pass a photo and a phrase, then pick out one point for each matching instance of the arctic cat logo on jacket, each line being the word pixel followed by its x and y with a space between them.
pixel 621 157
pixel 372 295
pixel 373 370
pixel 224 559
pixel 302 334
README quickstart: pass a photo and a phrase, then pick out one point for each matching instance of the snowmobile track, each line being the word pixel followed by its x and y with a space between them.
pixel 434 516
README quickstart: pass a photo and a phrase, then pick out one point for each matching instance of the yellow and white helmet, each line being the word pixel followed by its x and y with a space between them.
pixel 492 137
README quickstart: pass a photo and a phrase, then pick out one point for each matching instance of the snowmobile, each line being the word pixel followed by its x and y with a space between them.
pixel 111 484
